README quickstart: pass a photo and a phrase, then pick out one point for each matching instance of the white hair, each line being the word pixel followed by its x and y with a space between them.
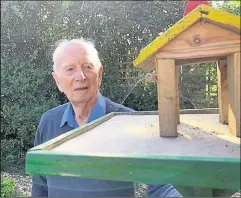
pixel 90 47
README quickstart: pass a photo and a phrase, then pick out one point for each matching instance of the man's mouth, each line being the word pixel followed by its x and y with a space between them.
pixel 81 88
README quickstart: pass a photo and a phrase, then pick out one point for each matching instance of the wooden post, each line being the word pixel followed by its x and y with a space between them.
pixel 177 90
pixel 223 98
pixel 233 67
pixel 167 99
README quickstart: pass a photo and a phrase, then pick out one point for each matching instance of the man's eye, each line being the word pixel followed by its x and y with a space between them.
pixel 87 66
pixel 70 69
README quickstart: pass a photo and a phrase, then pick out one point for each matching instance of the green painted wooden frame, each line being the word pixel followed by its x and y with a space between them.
pixel 222 173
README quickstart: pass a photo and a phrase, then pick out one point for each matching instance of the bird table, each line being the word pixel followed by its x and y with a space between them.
pixel 127 147
pixel 191 149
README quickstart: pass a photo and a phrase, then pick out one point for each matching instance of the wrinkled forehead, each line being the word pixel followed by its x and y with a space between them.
pixel 74 49
pixel 72 53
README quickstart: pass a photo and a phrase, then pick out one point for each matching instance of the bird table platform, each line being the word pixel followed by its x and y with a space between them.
pixel 180 147
pixel 127 147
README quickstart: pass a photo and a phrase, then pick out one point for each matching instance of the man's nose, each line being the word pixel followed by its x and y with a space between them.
pixel 80 75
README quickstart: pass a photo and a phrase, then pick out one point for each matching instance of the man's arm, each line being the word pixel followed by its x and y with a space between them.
pixel 39 183
pixel 39 186
pixel 158 190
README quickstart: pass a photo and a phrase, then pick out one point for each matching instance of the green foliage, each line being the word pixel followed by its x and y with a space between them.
pixel 231 6
pixel 198 86
pixel 27 91
pixel 120 30
pixel 7 187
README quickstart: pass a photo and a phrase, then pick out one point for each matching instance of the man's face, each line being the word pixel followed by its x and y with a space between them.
pixel 76 75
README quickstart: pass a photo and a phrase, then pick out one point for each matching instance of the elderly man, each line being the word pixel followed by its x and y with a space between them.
pixel 77 72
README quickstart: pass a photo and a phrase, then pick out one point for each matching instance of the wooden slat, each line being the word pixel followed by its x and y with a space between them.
pixel 186 171
pixel 177 94
pixel 73 133
pixel 233 66
pixel 167 99
pixel 223 98
pixel 149 64
pixel 199 60
pixel 201 52
pixel 200 111
pixel 181 111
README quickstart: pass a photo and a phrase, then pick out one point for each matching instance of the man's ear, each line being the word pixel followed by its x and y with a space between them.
pixel 100 72
pixel 55 76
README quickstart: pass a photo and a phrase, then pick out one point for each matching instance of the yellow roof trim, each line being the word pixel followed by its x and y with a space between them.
pixel 218 16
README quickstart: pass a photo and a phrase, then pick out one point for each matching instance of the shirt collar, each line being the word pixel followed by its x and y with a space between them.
pixel 98 111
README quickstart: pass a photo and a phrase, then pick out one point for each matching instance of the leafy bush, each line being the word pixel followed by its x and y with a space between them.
pixel 7 187
pixel 26 92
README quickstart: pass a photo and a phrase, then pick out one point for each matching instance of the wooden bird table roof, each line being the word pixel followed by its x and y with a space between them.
pixel 224 20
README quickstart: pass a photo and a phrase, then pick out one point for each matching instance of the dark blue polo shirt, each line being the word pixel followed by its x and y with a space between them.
pixel 60 120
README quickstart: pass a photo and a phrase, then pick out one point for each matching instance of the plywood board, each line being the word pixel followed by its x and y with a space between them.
pixel 198 135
